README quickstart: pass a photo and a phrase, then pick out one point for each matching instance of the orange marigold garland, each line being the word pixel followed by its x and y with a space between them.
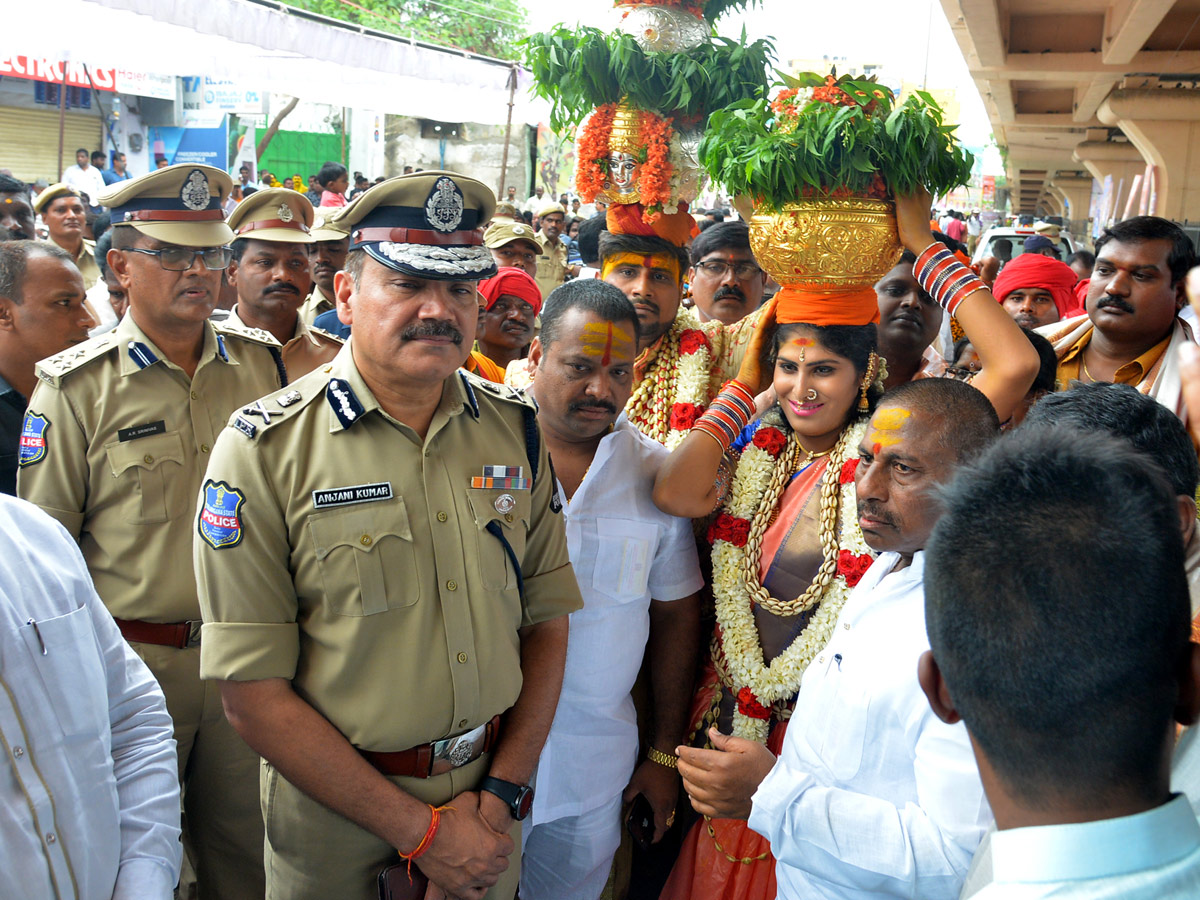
pixel 657 170
pixel 592 155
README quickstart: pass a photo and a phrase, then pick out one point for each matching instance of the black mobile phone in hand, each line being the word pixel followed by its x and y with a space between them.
pixel 395 883
pixel 640 822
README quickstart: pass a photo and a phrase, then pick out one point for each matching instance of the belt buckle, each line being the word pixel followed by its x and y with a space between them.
pixel 193 626
pixel 455 752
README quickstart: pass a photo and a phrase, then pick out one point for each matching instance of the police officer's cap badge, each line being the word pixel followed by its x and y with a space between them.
pixel 444 207
pixel 220 522
pixel 195 193
pixel 285 213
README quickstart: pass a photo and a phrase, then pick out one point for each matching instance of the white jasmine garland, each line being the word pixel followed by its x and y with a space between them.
pixel 735 614
pixel 671 378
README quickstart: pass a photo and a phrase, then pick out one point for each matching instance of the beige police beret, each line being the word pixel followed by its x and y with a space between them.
pixel 425 224
pixel 500 233
pixel 181 204
pixel 551 208
pixel 329 222
pixel 52 193
pixel 274 214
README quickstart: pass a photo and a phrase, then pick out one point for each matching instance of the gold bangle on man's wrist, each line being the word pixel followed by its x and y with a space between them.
pixel 663 759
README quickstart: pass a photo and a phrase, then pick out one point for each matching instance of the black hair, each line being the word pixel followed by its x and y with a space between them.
pixel 959 345
pixel 964 415
pixel 643 245
pixel 14 258
pixel 1122 411
pixel 1047 376
pixel 330 171
pixel 1057 610
pixel 10 185
pixel 82 150
pixel 125 237
pixel 705 224
pixel 1140 229
pixel 954 246
pixel 239 248
pixel 588 294
pixel 1002 242
pixel 588 239
pixel 731 235
pixel 853 342
pixel 1084 256
pixel 103 245
pixel 100 224
pixel 99 153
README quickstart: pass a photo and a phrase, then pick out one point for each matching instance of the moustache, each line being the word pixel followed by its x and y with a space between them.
pixel 729 291
pixel 432 330
pixel 1108 300
pixel 872 510
pixel 280 287
pixel 607 407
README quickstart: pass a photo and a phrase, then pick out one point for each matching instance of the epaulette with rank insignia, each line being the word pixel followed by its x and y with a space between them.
pixel 326 334
pixel 503 391
pixel 267 412
pixel 53 369
pixel 237 329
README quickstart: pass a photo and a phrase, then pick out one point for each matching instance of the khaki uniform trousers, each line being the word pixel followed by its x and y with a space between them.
pixel 223 827
pixel 312 853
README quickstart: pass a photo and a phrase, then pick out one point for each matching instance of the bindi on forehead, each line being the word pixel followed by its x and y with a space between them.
pixel 886 426
pixel 803 342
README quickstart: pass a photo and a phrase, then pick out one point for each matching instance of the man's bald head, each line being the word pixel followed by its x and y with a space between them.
pixel 920 433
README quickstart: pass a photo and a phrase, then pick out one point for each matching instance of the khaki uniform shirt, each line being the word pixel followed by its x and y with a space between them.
pixel 309 348
pixel 551 265
pixel 338 550
pixel 85 261
pixel 316 304
pixel 118 440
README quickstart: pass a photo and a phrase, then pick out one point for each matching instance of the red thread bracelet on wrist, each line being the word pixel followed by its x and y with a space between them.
pixel 435 819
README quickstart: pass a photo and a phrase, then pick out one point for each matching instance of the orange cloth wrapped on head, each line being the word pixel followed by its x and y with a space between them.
pixel 804 305
pixel 678 227
pixel 513 282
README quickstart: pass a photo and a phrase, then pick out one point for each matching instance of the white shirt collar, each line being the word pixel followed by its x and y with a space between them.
pixel 1102 849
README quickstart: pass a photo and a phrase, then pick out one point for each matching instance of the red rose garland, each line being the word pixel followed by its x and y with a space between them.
pixel 749 706
pixel 684 416
pixel 852 567
pixel 848 471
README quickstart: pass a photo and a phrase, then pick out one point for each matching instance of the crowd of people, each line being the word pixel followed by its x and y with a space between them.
pixel 400 541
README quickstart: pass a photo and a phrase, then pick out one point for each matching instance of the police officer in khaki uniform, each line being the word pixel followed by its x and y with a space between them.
pixel 64 215
pixel 114 445
pixel 552 268
pixel 384 575
pixel 326 256
pixel 271 273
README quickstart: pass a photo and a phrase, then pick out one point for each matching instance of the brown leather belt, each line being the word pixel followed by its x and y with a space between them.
pixel 439 757
pixel 174 634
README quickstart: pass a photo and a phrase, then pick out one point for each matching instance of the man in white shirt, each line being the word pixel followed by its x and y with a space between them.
pixel 89 800
pixel 85 178
pixel 535 202
pixel 872 795
pixel 638 570
pixel 1074 745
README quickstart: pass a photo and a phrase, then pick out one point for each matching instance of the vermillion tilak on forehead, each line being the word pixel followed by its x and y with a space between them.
pixel 653 261
pixel 886 426
pixel 601 339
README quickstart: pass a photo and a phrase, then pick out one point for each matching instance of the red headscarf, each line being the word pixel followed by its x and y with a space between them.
pixel 1032 270
pixel 513 281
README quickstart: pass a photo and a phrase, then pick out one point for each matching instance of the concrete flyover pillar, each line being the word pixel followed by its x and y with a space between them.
pixel 1078 194
pixel 1164 125
pixel 1119 159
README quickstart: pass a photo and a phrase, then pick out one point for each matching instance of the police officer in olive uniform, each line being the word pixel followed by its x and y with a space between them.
pixel 384 575
pixel 271 273
pixel 114 445
pixel 326 256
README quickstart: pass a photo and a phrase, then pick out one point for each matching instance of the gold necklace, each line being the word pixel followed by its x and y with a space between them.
pixel 1083 364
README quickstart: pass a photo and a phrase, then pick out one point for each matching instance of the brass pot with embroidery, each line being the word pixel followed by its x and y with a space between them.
pixel 828 243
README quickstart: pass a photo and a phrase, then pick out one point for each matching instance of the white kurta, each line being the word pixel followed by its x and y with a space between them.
pixel 625 551
pixel 89 793
pixel 872 795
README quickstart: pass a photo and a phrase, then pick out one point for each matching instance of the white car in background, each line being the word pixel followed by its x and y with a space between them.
pixel 1016 236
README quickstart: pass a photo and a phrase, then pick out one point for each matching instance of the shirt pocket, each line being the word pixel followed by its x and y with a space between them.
pixel 842 723
pixel 147 469
pixel 366 557
pixel 67 660
pixel 624 552
pixel 505 512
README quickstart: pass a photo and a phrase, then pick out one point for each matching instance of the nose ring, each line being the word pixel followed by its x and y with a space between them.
pixel 811 395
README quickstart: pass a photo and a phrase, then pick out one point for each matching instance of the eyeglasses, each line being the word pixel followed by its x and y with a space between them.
pixel 961 373
pixel 742 271
pixel 180 259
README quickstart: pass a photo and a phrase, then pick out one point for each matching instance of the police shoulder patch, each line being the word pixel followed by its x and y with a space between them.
pixel 500 391
pixel 220 521
pixel 53 369
pixel 32 447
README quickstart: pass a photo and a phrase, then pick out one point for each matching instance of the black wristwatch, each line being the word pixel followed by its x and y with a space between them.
pixel 519 797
